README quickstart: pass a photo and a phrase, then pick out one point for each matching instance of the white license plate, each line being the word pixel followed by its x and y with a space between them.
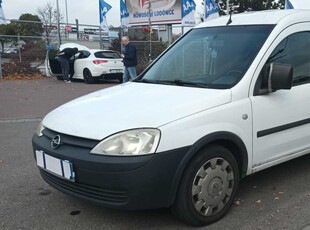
pixel 116 71
pixel 61 168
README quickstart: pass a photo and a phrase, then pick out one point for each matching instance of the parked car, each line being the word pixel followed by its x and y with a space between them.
pixel 224 101
pixel 88 64
pixel 10 50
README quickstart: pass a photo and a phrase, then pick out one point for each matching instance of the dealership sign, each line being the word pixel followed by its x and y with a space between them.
pixel 162 11
pixel 90 31
pixel 69 29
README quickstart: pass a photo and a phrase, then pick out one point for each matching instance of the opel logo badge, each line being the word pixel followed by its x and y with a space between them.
pixel 56 141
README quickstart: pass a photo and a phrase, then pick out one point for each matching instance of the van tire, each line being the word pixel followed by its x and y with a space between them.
pixel 211 177
pixel 88 77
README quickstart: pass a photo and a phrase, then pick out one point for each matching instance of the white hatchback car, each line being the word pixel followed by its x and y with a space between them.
pixel 89 65
pixel 224 101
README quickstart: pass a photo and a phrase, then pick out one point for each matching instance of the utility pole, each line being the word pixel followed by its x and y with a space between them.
pixel 227 7
pixel 67 33
pixel 58 24
pixel 150 55
pixel 67 12
pixel 77 29
pixel 100 38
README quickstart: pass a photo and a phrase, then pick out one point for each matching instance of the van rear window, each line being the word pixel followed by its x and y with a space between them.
pixel 107 54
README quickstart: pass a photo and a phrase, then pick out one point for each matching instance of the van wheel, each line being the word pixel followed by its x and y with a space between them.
pixel 120 80
pixel 88 78
pixel 208 187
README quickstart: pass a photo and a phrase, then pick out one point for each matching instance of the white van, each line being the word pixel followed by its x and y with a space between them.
pixel 221 103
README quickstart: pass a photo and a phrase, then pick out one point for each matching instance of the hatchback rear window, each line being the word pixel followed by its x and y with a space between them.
pixel 107 54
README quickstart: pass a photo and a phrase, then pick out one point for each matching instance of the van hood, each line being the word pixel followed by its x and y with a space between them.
pixel 129 106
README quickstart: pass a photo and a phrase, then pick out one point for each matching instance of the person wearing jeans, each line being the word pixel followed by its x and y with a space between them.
pixel 130 60
pixel 64 68
pixel 64 57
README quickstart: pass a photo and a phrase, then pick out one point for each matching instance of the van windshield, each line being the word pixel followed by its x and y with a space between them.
pixel 215 57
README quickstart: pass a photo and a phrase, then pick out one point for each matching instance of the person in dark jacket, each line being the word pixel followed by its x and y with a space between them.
pixel 64 57
pixel 130 60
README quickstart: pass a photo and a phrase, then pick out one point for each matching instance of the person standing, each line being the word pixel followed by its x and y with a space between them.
pixel 130 60
pixel 64 57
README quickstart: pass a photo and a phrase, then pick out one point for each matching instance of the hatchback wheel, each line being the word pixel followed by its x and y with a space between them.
pixel 88 77
pixel 208 187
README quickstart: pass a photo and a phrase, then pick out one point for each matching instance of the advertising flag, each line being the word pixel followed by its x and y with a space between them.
pixel 188 12
pixel 2 17
pixel 211 10
pixel 288 5
pixel 103 10
pixel 124 16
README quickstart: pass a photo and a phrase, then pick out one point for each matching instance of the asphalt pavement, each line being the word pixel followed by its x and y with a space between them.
pixel 276 198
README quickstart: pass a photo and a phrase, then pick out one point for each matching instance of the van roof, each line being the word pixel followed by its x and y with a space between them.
pixel 271 17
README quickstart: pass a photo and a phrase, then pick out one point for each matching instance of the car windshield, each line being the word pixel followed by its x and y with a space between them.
pixel 215 57
pixel 107 54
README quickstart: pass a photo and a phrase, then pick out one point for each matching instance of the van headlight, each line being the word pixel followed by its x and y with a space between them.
pixel 39 130
pixel 129 143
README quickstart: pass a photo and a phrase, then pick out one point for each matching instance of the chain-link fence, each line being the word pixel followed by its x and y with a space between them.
pixel 24 43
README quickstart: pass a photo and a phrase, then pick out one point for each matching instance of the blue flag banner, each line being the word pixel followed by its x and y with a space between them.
pixel 2 17
pixel 288 5
pixel 124 16
pixel 211 10
pixel 103 10
pixel 188 12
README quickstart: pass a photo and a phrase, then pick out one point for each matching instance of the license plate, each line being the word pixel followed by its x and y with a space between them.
pixel 116 71
pixel 61 168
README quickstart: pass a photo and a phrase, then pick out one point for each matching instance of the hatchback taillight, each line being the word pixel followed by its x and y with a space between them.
pixel 97 62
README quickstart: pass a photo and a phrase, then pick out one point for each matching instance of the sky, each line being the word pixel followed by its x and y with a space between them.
pixel 87 11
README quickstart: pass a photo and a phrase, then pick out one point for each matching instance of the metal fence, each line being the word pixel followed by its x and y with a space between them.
pixel 25 52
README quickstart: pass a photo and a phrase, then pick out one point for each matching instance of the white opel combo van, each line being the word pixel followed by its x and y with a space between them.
pixel 226 100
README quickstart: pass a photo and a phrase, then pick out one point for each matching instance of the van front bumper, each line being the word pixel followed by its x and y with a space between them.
pixel 142 182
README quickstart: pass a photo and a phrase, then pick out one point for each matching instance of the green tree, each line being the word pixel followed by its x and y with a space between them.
pixel 29 28
pixel 6 33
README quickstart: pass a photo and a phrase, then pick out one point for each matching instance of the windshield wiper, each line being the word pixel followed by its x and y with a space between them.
pixel 301 79
pixel 147 81
pixel 174 82
pixel 189 83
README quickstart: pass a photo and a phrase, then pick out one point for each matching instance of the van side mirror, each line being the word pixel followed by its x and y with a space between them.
pixel 278 76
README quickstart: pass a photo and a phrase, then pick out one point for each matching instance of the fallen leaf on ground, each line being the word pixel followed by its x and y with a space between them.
pixel 276 198
pixel 1 161
pixel 23 77
pixel 281 193
pixel 237 202
pixel 259 201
